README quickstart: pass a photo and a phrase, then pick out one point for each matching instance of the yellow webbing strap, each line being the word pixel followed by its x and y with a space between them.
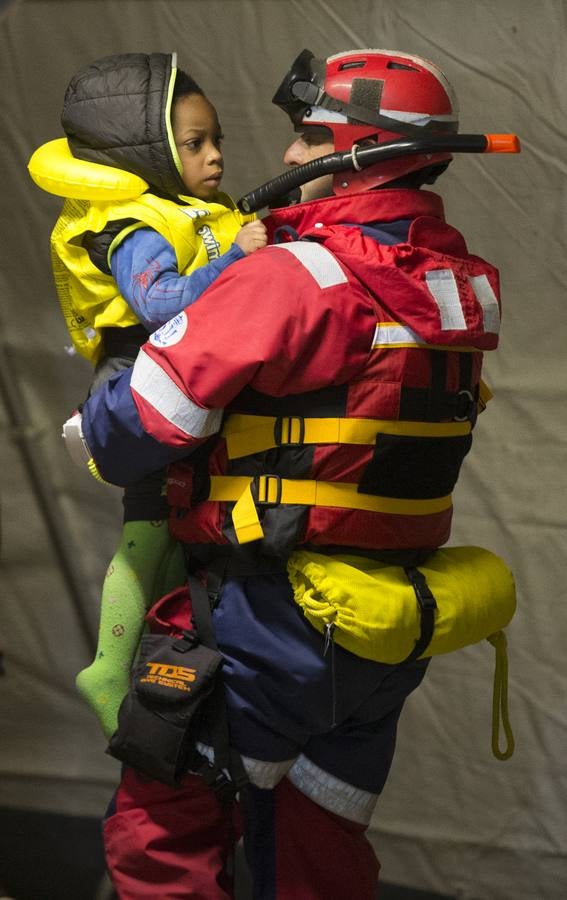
pixel 246 434
pixel 308 492
pixel 485 395
pixel 500 698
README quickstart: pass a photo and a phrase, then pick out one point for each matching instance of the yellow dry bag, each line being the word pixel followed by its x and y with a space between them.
pixel 389 614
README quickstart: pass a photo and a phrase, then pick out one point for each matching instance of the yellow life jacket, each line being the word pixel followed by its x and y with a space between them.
pixel 98 195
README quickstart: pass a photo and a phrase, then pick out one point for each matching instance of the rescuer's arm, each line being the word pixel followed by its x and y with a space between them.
pixel 266 324
pixel 113 438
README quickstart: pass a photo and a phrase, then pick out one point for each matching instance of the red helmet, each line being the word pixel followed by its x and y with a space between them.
pixel 371 96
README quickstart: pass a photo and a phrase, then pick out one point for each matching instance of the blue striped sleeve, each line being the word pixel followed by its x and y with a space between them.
pixel 144 267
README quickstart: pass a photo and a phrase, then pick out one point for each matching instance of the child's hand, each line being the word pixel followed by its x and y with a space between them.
pixel 252 236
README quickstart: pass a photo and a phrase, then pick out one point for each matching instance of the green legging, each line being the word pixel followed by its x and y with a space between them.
pixel 147 564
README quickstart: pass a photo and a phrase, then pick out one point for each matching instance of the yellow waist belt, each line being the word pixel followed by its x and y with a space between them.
pixel 266 490
pixel 376 610
pixel 246 434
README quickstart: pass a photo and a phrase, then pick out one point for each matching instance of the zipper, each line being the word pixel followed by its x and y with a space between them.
pixel 329 644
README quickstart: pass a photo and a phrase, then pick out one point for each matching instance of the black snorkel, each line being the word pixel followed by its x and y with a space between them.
pixel 358 158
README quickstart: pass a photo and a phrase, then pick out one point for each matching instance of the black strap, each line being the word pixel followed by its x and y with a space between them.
pixel 312 95
pixel 124 341
pixel 226 775
pixel 437 382
pixel 465 371
pixel 427 607
pixel 435 403
pixel 202 604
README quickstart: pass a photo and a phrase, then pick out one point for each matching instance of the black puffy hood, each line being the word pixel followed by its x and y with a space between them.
pixel 117 112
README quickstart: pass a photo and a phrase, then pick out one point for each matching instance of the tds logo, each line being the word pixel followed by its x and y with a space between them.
pixel 177 677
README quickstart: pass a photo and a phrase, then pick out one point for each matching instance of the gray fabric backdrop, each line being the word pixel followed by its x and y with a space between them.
pixel 452 818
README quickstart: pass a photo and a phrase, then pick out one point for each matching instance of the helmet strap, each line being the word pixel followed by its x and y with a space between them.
pixel 311 95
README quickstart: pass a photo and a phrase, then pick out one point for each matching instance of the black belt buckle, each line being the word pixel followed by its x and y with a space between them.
pixel 283 428
pixel 261 497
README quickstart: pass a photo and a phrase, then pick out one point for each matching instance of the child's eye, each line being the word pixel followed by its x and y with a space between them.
pixel 219 140
pixel 194 144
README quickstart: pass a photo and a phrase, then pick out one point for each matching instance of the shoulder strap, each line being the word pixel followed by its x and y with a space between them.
pixel 226 775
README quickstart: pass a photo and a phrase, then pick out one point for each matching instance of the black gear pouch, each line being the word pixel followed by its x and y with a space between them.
pixel 159 718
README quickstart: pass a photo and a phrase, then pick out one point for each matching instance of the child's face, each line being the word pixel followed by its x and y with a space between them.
pixel 198 139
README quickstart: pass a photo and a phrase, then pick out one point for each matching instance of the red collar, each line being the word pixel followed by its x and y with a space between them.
pixel 386 205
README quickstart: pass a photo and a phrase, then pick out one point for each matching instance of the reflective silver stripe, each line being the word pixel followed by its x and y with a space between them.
pixel 331 793
pixel 156 387
pixel 266 774
pixel 391 335
pixel 487 299
pixel 417 118
pixel 321 264
pixel 318 114
pixel 443 288
pixel 263 774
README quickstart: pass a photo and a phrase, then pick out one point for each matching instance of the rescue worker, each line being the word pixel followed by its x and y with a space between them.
pixel 321 394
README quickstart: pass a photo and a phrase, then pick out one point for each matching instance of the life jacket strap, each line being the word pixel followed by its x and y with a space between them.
pixel 271 490
pixel 248 434
pixel 225 775
pixel 485 395
pixel 427 606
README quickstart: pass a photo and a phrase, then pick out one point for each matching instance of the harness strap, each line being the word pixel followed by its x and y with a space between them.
pixel 248 434
pixel 437 381
pixel 271 490
pixel 226 775
pixel 427 609
pixel 485 395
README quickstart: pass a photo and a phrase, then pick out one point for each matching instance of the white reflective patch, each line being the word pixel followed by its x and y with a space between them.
pixel 320 263
pixel 443 288
pixel 263 774
pixel 266 774
pixel 318 114
pixel 331 793
pixel 171 332
pixel 487 299
pixel 416 118
pixel 390 334
pixel 156 387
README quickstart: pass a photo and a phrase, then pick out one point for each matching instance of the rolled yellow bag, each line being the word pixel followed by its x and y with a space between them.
pixel 374 608
pixel 375 613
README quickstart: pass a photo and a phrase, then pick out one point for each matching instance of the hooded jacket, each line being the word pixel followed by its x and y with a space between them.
pixel 117 113
pixel 347 358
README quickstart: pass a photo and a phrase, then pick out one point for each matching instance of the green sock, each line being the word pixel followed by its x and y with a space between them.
pixel 132 580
